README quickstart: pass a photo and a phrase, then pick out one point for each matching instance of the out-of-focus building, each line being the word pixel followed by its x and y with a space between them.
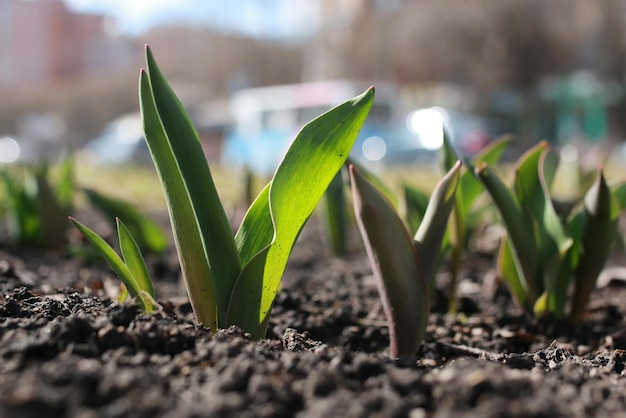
pixel 42 43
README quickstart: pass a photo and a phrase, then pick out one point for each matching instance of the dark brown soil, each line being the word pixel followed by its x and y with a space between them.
pixel 67 349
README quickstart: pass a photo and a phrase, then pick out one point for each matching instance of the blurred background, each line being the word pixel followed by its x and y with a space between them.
pixel 251 72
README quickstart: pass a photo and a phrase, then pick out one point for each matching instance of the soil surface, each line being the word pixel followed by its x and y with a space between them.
pixel 68 349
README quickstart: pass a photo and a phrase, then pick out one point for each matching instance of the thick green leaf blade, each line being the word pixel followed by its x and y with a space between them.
pixel 519 229
pixel 187 238
pixel 430 233
pixel 602 212
pixel 110 256
pixel 146 231
pixel 215 231
pixel 314 158
pixel 256 230
pixel 535 172
pixel 134 260
pixel 401 282
pixel 246 305
pixel 557 296
pixel 508 271
pixel 334 216
pixel 448 155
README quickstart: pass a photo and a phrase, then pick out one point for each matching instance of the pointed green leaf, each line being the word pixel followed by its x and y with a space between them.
pixel 256 230
pixel 508 271
pixel 534 174
pixel 246 308
pixel 396 266
pixel 314 158
pixel 492 153
pixel 134 260
pixel 215 231
pixel 519 229
pixel 110 256
pixel 429 236
pixel 334 215
pixel 557 296
pixel 448 154
pixel 602 212
pixel 193 262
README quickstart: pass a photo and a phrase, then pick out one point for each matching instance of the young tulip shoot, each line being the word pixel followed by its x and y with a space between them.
pixel 542 253
pixel 402 265
pixel 130 268
pixel 233 280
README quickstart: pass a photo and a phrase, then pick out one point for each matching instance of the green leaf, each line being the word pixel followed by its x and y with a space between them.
pixel 256 230
pixel 147 232
pixel 334 215
pixel 215 232
pixel 134 261
pixel 110 256
pixel 314 158
pixel 449 156
pixel 429 236
pixel 508 270
pixel 194 265
pixel 534 175
pixel 557 296
pixel 519 229
pixel 602 213
pixel 401 282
